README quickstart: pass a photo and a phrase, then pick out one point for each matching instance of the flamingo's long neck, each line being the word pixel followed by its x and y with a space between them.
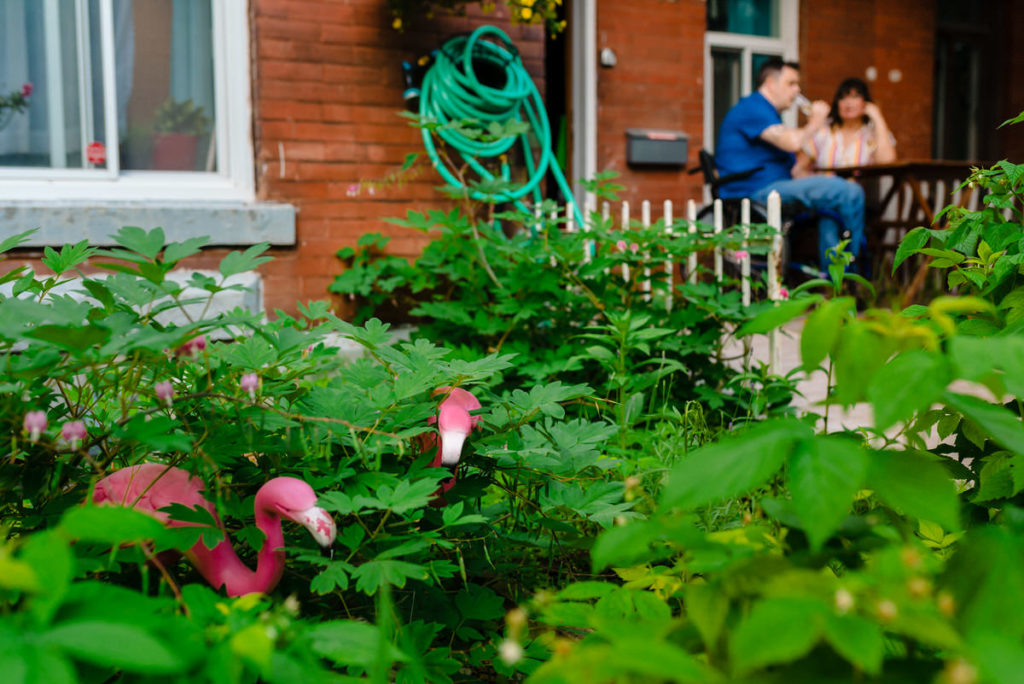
pixel 222 567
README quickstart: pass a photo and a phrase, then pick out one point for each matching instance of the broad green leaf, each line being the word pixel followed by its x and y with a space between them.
pixel 72 338
pixel 858 356
pixel 476 602
pixel 110 524
pixel 239 262
pixel 159 432
pixel 822 329
pixel 1000 425
pixel 824 475
pixel 114 644
pixel 995 481
pixel 347 642
pixel 68 257
pixel 176 251
pixel 13 241
pixel 653 659
pixel 986 577
pixel 253 645
pixel 778 630
pixel 909 383
pixel 732 467
pixel 856 639
pixel 47 553
pixel 371 575
pixel 771 318
pixel 917 484
pixel 998 655
pixel 18 575
pixel 334 576
pixel 707 606
pixel 146 243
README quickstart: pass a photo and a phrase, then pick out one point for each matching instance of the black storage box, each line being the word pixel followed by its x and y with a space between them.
pixel 653 147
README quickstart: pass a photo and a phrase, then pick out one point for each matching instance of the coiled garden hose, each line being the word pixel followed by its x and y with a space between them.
pixel 482 78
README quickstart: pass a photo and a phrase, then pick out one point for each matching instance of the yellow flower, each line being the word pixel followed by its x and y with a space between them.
pixel 526 13
pixel 397 23
pixel 527 3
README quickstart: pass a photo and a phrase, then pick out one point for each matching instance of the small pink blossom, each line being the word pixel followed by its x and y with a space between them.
pixel 193 347
pixel 741 254
pixel 633 247
pixel 352 191
pixel 34 424
pixel 308 350
pixel 27 89
pixel 164 391
pixel 783 293
pixel 621 245
pixel 249 383
pixel 73 432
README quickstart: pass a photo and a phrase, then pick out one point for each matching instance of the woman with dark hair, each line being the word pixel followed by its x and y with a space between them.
pixel 856 134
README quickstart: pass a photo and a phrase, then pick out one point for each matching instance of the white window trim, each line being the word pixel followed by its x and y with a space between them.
pixel 787 44
pixel 234 180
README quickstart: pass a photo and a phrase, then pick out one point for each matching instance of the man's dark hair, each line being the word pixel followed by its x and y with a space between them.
pixel 772 67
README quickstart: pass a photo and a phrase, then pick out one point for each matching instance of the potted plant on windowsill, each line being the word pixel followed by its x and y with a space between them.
pixel 14 103
pixel 178 126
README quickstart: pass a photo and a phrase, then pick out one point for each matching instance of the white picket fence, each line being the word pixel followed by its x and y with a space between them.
pixel 773 270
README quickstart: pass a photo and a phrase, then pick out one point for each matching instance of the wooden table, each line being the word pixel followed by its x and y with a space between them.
pixel 909 194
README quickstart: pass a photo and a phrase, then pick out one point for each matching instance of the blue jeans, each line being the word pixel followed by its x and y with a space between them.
pixel 825 193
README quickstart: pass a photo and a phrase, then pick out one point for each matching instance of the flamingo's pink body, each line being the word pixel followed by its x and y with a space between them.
pixel 454 423
pixel 151 486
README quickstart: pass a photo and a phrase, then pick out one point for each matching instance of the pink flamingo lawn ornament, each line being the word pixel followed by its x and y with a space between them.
pixel 454 423
pixel 151 486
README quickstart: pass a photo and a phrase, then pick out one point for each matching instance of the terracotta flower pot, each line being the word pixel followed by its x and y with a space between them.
pixel 175 151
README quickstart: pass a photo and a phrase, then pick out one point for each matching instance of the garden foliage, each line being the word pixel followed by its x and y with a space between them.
pixel 688 535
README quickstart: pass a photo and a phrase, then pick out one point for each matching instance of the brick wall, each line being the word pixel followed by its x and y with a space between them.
pixel 327 90
pixel 657 83
pixel 842 38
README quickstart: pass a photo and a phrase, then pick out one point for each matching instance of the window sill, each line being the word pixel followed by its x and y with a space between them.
pixel 225 223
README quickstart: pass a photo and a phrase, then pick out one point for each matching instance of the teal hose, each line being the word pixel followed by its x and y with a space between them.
pixel 452 93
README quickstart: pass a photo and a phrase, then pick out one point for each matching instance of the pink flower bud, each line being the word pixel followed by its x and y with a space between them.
pixel 352 191
pixel 35 423
pixel 73 432
pixel 741 254
pixel 621 244
pixel 193 346
pixel 27 89
pixel 783 293
pixel 633 247
pixel 249 383
pixel 164 391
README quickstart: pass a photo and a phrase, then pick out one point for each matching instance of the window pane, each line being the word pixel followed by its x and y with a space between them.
pixel 726 83
pixel 750 17
pixel 54 47
pixel 756 60
pixel 169 120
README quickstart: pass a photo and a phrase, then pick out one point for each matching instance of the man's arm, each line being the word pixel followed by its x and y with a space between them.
pixel 793 139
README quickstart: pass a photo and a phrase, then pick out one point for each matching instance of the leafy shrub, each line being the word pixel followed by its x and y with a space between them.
pixel 595 307
pixel 890 553
pixel 123 371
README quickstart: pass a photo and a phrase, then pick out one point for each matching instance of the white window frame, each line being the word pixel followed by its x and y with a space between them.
pixel 234 179
pixel 786 45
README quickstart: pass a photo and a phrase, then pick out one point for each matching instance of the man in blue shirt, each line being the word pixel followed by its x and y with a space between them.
pixel 753 135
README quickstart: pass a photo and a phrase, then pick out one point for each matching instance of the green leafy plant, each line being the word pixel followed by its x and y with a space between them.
pixel 109 370
pixel 181 116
